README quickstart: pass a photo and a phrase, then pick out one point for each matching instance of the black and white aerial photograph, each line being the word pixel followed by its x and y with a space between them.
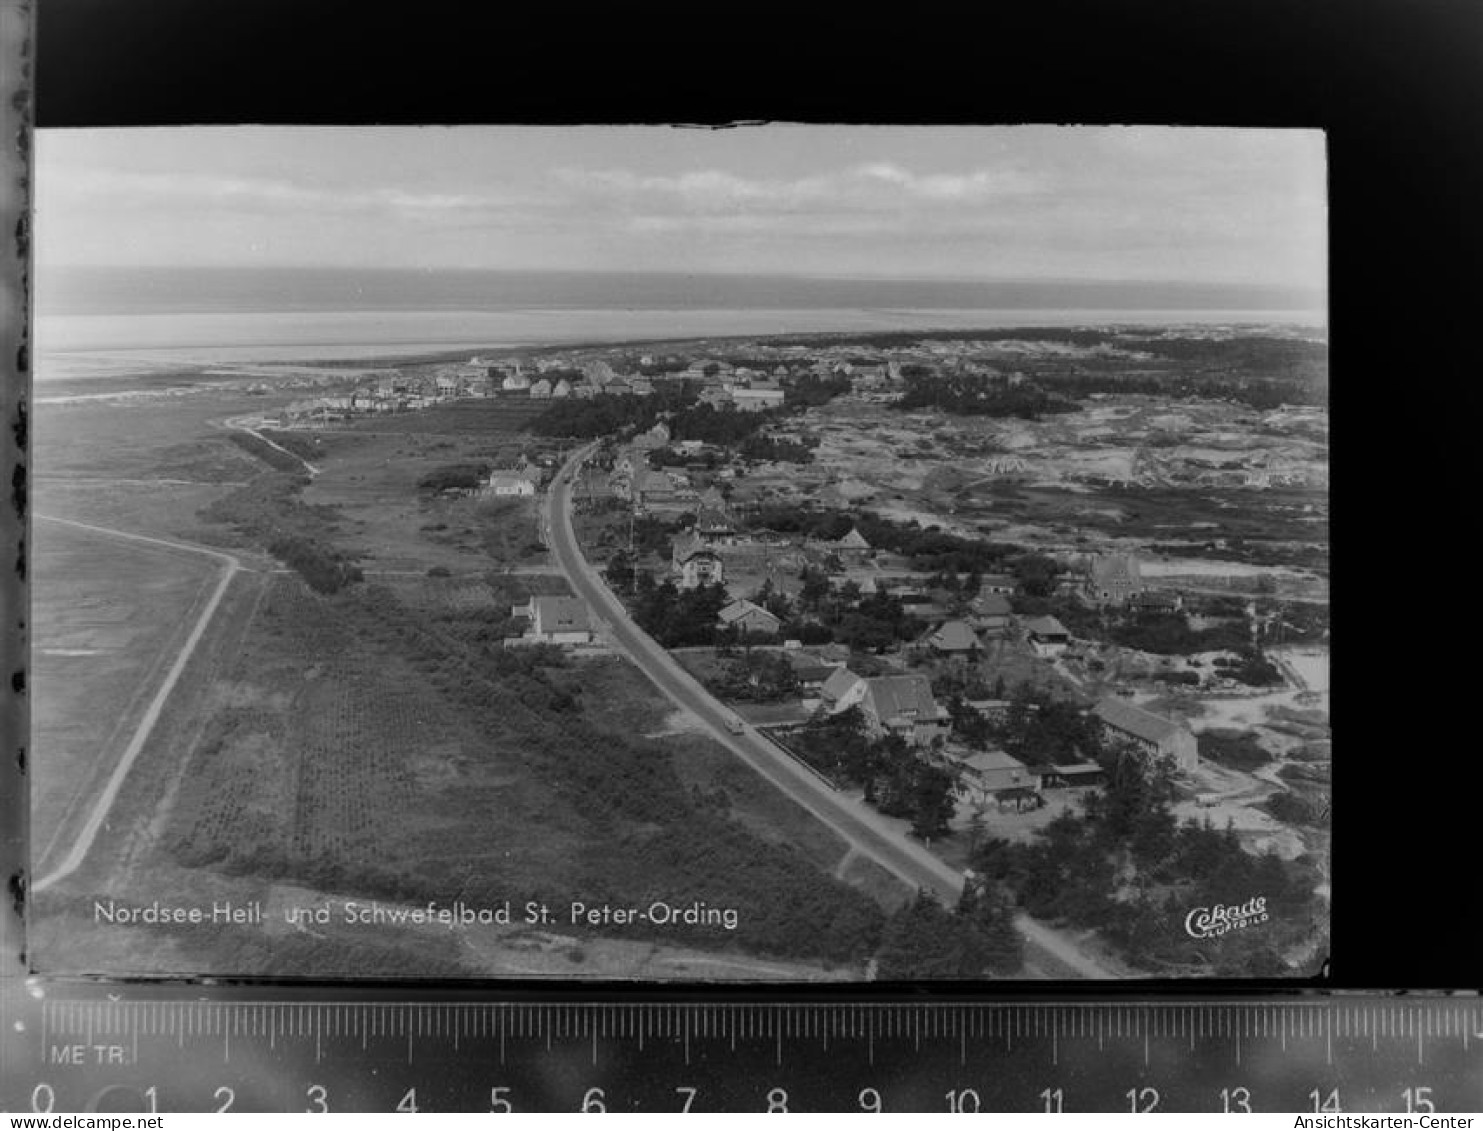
pixel 777 554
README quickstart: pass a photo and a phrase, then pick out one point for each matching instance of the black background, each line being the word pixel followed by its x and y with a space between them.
pixel 1397 87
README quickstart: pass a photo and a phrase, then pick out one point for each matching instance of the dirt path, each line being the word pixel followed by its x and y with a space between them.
pixel 236 423
pixel 230 566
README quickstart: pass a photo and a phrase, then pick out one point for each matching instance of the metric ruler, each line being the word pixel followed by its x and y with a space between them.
pixel 82 1049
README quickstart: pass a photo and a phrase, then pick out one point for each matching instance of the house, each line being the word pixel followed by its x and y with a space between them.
pixel 555 620
pixel 511 483
pixel 714 526
pixel 562 388
pixel 695 563
pixel 954 639
pixel 810 669
pixel 854 540
pixel 1076 775
pixel 989 614
pixel 1000 583
pixel 841 691
pixel 992 775
pixel 516 383
pixel 891 704
pixel 747 617
pixel 1155 601
pixel 1048 635
pixel 903 705
pixel 757 400
pixel 1152 735
pixel 1113 578
pixel 541 389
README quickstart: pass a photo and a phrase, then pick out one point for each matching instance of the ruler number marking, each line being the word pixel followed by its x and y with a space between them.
pixel 1054 1099
pixel 224 1096
pixel 689 1093
pixel 777 1100
pixel 1142 1100
pixel 43 1098
pixel 1236 1100
pixel 1325 1103
pixel 593 1099
pixel 870 1100
pixel 408 1103
pixel 317 1096
pixel 963 1101
pixel 1419 1099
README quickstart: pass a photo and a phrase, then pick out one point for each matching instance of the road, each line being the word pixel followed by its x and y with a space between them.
pixel 230 566
pixel 864 830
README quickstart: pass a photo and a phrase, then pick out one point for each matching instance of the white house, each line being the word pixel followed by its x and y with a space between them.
pixel 511 483
pixel 555 620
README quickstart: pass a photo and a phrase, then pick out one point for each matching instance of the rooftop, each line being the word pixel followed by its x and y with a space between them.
pixel 1135 720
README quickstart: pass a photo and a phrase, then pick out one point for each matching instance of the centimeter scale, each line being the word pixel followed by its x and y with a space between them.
pixel 92 1048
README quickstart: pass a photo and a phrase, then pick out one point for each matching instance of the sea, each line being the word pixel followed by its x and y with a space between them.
pixel 106 322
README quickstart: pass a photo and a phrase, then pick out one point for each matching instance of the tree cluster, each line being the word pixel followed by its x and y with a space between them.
pixel 754 677
pixel 454 477
pixel 924 940
pixel 677 618
pixel 1127 868
pixel 809 390
pixel 1041 730
pixel 982 394
pixel 894 779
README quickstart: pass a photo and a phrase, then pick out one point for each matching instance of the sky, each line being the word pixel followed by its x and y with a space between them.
pixel 982 203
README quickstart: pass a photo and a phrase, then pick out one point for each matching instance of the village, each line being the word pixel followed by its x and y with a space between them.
pixel 966 620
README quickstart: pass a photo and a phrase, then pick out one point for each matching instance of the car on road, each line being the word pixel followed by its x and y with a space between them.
pixel 735 725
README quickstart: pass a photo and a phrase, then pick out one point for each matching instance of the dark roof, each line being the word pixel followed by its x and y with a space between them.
pixel 1073 769
pixel 991 605
pixel 1045 626
pixel 896 696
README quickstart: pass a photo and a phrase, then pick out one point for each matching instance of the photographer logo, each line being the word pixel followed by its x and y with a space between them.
pixel 1209 922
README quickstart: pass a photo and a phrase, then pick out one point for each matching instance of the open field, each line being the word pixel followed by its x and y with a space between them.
pixel 108 617
pixel 391 524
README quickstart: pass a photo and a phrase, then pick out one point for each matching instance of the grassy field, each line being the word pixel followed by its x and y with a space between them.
pixel 477 416
pixel 108 617
pixel 379 743
pixel 390 523
pixel 147 438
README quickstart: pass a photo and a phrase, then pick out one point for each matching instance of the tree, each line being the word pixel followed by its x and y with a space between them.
pixel 924 940
pixel 987 909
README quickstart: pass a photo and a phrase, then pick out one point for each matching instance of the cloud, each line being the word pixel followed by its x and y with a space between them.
pixel 209 191
pixel 873 186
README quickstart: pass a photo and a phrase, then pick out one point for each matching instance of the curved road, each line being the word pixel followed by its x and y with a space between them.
pixel 862 828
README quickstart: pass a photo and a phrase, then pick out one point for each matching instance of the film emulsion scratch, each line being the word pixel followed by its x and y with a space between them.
pixel 781 554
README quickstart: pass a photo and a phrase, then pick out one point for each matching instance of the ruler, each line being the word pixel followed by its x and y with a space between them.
pixel 242 1049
